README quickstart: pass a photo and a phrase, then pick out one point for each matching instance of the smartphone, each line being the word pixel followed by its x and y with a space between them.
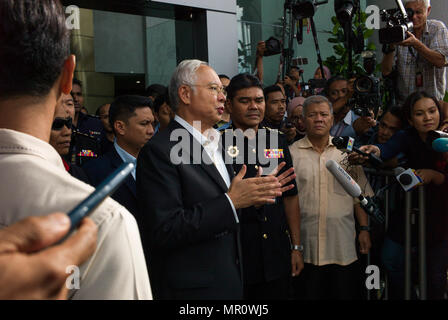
pixel 105 189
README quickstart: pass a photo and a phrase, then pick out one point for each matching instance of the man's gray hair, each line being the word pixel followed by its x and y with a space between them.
pixel 316 100
pixel 426 2
pixel 185 74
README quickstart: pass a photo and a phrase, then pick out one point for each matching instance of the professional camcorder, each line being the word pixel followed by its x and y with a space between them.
pixel 345 9
pixel 273 47
pixel 367 89
pixel 367 95
pixel 398 21
pixel 302 9
pixel 313 84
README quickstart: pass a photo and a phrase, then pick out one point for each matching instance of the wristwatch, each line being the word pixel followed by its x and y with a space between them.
pixel 364 228
pixel 297 247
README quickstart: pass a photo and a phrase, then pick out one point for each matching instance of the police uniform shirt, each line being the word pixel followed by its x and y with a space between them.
pixel 83 148
pixel 89 125
pixel 264 231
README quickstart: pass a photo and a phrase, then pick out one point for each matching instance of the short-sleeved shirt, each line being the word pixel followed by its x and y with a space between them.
pixel 409 62
pixel 35 182
pixel 327 227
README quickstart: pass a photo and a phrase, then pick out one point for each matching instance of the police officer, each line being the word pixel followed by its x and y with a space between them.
pixel 84 123
pixel 83 148
pixel 87 130
pixel 275 111
pixel 270 234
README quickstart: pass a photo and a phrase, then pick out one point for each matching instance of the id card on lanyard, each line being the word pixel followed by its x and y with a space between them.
pixel 418 69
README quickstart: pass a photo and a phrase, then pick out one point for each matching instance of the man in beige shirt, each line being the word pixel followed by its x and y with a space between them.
pixel 327 211
pixel 36 69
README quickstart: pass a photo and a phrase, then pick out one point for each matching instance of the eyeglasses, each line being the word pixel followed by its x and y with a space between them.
pixel 216 89
pixel 59 123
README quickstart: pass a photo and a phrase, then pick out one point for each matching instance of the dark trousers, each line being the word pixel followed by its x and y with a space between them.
pixel 272 290
pixel 329 282
pixel 436 268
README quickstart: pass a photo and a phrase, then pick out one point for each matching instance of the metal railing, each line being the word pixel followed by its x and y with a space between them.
pixel 408 236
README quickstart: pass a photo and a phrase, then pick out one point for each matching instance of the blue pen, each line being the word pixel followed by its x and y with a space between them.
pixel 106 188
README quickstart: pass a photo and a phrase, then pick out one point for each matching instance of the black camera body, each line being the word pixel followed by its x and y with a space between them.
pixel 273 47
pixel 345 10
pixel 367 88
pixel 314 84
pixel 366 97
pixel 398 22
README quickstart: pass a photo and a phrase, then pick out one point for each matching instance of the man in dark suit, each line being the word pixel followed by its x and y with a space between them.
pixel 132 121
pixel 188 197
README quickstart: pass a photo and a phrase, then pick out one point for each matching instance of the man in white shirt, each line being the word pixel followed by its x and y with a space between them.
pixel 36 69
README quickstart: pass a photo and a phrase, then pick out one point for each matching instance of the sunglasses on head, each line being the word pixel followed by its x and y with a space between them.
pixel 59 123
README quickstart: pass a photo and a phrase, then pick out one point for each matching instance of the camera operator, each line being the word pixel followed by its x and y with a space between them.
pixel 291 83
pixel 421 58
pixel 346 122
pixel 318 76
pixel 261 48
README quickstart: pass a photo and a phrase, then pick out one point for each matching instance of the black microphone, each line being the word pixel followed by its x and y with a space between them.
pixel 408 179
pixel 347 145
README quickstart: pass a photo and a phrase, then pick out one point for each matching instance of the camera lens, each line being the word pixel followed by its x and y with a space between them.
pixel 363 85
pixel 304 9
pixel 344 14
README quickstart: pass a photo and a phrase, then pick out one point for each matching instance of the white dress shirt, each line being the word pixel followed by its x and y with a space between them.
pixel 211 146
pixel 126 157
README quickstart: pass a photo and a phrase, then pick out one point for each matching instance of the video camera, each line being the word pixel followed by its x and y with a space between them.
pixel 313 84
pixel 367 89
pixel 273 47
pixel 398 21
pixel 303 9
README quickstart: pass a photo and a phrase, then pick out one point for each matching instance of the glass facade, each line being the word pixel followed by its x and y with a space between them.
pixel 121 48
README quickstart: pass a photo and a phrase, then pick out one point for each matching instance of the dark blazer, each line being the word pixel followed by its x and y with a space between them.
pixel 188 228
pixel 97 170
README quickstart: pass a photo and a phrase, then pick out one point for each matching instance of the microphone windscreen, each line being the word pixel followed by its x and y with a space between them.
pixel 343 143
pixel 345 180
pixel 440 145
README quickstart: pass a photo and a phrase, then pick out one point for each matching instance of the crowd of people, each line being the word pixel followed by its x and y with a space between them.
pixel 231 197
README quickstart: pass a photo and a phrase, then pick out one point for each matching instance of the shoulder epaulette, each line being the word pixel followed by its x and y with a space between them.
pixel 272 129
pixel 83 134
